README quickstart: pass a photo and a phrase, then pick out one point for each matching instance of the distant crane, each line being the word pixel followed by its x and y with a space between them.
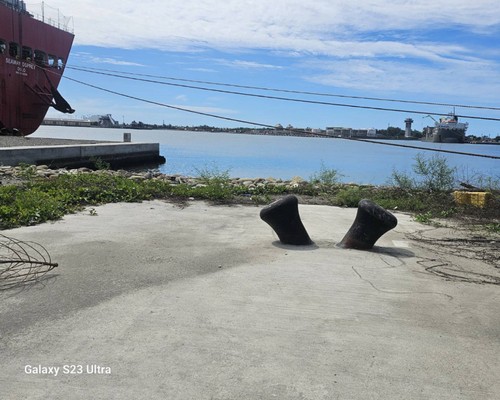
pixel 427 131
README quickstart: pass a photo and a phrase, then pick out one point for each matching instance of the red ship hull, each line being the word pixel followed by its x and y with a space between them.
pixel 32 59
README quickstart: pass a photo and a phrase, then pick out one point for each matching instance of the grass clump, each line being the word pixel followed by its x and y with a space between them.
pixel 28 172
pixel 43 200
pixel 100 164
pixel 214 184
pixel 39 200
pixel 212 174
pixel 427 191
pixel 326 178
pixel 350 196
pixel 493 227
pixel 394 198
pixel 36 200
pixel 23 207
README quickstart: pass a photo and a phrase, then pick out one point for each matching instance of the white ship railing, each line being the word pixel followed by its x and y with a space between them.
pixel 52 16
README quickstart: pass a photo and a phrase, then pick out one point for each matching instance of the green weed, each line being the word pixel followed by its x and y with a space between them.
pixel 424 218
pixel 326 177
pixel 493 228
pixel 215 184
pixel 349 196
pixel 100 164
pixel 432 174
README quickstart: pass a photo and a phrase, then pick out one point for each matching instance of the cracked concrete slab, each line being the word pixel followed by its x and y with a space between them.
pixel 152 300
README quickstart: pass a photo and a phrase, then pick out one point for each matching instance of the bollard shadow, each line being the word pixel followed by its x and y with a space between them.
pixel 392 251
pixel 307 247
pixel 389 251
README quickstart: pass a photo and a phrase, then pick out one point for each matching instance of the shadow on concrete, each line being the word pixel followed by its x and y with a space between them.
pixel 392 251
pixel 41 283
pixel 308 247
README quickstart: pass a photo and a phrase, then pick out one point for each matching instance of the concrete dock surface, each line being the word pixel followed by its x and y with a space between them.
pixel 27 141
pixel 193 301
pixel 75 153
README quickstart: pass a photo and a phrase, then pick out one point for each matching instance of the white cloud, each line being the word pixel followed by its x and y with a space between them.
pixel 112 61
pixel 393 76
pixel 209 70
pixel 89 58
pixel 322 26
pixel 247 64
pixel 366 45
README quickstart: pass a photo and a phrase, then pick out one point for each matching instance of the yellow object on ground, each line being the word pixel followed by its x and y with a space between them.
pixel 477 199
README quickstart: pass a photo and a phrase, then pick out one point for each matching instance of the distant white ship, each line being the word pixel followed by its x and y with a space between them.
pixel 447 130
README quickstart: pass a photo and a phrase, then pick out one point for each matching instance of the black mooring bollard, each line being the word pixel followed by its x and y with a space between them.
pixel 371 222
pixel 283 216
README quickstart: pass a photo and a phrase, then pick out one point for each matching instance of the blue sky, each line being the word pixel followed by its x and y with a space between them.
pixel 445 51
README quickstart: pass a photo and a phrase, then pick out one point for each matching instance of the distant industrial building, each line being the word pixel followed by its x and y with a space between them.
pixel 101 121
pixel 68 122
pixel 337 131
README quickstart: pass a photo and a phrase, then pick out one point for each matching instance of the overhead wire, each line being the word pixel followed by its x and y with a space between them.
pixel 168 105
pixel 270 89
pixel 324 103
pixel 254 123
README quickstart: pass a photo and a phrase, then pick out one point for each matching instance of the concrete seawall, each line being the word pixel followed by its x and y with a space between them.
pixel 117 154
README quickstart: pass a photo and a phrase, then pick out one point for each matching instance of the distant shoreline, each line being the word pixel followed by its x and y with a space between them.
pixel 294 132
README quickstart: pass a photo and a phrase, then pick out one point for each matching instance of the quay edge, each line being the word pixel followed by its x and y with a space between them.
pixel 118 155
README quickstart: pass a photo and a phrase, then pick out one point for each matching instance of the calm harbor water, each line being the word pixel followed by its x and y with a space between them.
pixel 252 156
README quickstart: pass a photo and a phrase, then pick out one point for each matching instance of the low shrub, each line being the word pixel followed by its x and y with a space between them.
pixel 432 174
pixel 325 178
pixel 37 200
pixel 350 196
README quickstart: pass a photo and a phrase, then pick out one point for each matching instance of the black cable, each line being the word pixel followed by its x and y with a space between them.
pixel 169 106
pixel 261 124
pixel 284 98
pixel 426 148
pixel 89 69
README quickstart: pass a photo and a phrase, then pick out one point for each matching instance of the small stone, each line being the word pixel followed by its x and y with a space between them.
pixel 43 174
pixel 137 177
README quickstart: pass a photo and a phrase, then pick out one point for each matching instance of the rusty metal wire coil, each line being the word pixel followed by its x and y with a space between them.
pixel 22 262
